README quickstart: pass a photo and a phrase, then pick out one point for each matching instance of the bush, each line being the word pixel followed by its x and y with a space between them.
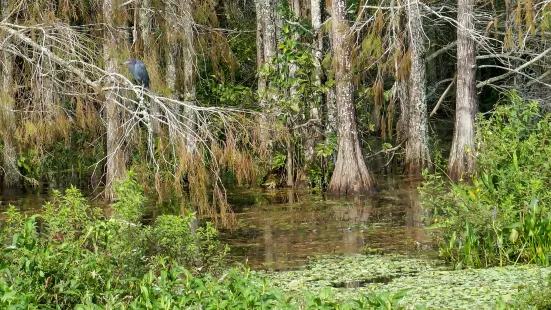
pixel 502 216
pixel 70 257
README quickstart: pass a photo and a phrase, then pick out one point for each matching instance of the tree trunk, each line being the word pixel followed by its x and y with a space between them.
pixel 351 174
pixel 260 46
pixel 401 77
pixel 189 65
pixel 312 134
pixel 116 162
pixel 331 103
pixel 173 45
pixel 269 36
pixel 266 50
pixel 289 165
pixel 146 25
pixel 462 160
pixel 417 149
pixel 9 170
pixel 146 12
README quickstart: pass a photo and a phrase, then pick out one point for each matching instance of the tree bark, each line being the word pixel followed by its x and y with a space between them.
pixel 146 12
pixel 116 161
pixel 310 143
pixel 146 26
pixel 171 56
pixel 351 174
pixel 189 65
pixel 462 160
pixel 269 34
pixel 293 68
pixel 260 46
pixel 417 150
pixel 10 172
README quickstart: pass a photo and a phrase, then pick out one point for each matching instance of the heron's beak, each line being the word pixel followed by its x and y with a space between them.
pixel 126 62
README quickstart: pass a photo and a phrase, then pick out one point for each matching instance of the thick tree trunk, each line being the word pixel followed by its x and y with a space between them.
pixel 462 160
pixel 417 149
pixel 351 174
pixel 116 162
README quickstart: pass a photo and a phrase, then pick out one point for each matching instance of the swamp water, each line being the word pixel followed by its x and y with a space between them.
pixel 308 242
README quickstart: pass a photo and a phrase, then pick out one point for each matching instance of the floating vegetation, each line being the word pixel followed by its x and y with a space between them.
pixel 428 282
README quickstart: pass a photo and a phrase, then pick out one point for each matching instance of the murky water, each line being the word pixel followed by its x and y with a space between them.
pixel 280 229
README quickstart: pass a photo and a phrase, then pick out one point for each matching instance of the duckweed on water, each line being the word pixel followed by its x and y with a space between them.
pixel 429 283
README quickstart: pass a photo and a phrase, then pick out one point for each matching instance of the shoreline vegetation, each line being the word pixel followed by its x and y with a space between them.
pixel 324 96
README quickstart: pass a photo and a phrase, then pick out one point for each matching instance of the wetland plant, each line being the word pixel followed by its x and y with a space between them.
pixel 502 215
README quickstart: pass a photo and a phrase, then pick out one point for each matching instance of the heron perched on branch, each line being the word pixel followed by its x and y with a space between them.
pixel 138 71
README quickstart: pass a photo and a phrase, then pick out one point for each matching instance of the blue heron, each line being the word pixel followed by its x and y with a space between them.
pixel 138 71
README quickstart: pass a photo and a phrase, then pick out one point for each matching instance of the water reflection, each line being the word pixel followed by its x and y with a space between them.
pixel 281 229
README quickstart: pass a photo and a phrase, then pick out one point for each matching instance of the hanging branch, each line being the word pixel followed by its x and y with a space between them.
pixel 442 97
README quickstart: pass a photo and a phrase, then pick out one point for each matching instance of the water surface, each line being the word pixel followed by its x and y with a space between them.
pixel 281 229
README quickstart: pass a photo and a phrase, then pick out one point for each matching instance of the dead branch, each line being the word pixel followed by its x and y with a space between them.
pixel 444 94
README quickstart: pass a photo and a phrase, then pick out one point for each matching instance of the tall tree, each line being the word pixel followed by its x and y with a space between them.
pixel 462 159
pixel 351 174
pixel 189 65
pixel 116 161
pixel 312 133
pixel 417 150
pixel 7 114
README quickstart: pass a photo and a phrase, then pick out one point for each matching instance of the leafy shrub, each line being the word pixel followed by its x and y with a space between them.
pixel 502 216
pixel 80 260
pixel 172 237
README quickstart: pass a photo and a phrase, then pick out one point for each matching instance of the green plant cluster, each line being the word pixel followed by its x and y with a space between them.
pixel 72 257
pixel 502 216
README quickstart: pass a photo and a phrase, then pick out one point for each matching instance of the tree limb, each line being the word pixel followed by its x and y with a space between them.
pixel 442 97
pixel 441 51
pixel 517 70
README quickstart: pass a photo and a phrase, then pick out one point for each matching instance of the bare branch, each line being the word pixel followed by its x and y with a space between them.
pixel 513 71
pixel 442 97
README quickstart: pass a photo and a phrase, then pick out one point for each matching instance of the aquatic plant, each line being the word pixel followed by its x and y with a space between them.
pixel 502 216
pixel 71 257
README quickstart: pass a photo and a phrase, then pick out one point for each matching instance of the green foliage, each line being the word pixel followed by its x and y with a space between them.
pixel 212 252
pixel 278 161
pixel 130 199
pixel 229 94
pixel 72 258
pixel 320 171
pixel 67 216
pixel 503 216
pixel 172 236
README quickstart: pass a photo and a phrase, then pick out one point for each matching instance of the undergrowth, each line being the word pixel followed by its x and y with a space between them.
pixel 72 257
pixel 502 216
